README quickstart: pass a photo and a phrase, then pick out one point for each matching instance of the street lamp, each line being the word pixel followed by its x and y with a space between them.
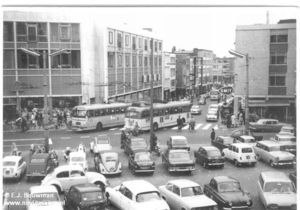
pixel 46 117
pixel 241 55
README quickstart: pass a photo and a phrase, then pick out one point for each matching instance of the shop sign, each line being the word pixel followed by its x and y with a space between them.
pixel 226 90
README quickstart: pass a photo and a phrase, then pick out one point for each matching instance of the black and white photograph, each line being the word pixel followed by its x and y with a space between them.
pixel 149 105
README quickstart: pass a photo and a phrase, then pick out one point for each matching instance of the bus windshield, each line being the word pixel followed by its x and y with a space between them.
pixel 79 113
pixel 214 92
pixel 133 114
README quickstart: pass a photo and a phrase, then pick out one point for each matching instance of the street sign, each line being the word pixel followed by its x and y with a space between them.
pixel 226 90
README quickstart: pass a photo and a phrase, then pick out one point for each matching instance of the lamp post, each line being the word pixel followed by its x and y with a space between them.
pixel 151 91
pixel 240 55
pixel 46 117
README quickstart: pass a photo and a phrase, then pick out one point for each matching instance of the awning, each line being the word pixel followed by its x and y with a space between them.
pixel 268 104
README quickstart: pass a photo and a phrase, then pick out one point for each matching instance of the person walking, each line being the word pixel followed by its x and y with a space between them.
pixel 212 135
pixel 179 123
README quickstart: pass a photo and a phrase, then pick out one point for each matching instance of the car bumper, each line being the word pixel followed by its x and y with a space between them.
pixel 215 164
pixel 111 172
pixel 36 174
pixel 182 169
pixel 211 119
pixel 238 207
pixel 285 163
pixel 144 170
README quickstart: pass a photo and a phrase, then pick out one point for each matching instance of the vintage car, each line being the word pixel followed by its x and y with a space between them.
pixel 287 141
pixel 108 162
pixel 178 142
pixel 241 132
pixel 100 143
pixel 222 142
pixel 240 154
pixel 250 140
pixel 185 194
pixel 63 177
pixel 79 158
pixel 135 145
pixel 227 193
pixel 202 101
pixel 209 156
pixel 178 160
pixel 141 162
pixel 266 125
pixel 276 191
pixel 293 177
pixel 196 109
pixel 271 152
pixel 43 197
pixel 136 195
pixel 14 167
pixel 212 115
pixel 213 107
pixel 85 196
pixel 288 130
pixel 40 164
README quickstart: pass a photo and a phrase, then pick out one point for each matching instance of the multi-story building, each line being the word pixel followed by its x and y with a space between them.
pixel 272 68
pixel 169 76
pixel 223 70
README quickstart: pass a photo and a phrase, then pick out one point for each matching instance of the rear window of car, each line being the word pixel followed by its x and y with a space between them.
pixel 213 153
pixel 247 150
pixel 9 163
pixel 141 157
pixel 102 141
pixel 148 196
pixel 91 196
pixel 179 141
pixel 180 156
pixel 77 159
pixel 138 144
pixel 37 160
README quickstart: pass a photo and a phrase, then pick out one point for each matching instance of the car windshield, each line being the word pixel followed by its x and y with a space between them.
pixel 111 158
pixel 102 141
pixel 229 187
pixel 35 160
pixel 275 148
pixel 148 196
pixel 77 159
pixel 279 187
pixel 9 163
pixel 214 153
pixel 248 140
pixel 44 198
pixel 247 150
pixel 91 196
pixel 287 138
pixel 195 107
pixel 180 156
pixel 211 112
pixel 179 141
pixel 133 114
pixel 142 156
pixel 191 191
pixel 138 144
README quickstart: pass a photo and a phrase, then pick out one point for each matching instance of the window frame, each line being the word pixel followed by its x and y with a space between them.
pixel 68 27
pixel 31 25
pixel 274 55
pixel 275 85
pixel 126 40
pixel 110 37
pixel 286 40
pixel 120 60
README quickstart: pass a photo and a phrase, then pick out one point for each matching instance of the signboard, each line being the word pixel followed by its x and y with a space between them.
pixel 17 86
pixel 226 90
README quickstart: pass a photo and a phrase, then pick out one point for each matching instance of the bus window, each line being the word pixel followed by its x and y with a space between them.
pixel 155 113
pixel 122 110
pixel 161 112
pixel 112 111
pixel 145 114
pixel 102 112
pixel 175 110
pixel 97 113
pixel 172 110
pixel 90 113
pixel 179 110
pixel 107 111
pixel 117 110
pixel 79 113
pixel 167 112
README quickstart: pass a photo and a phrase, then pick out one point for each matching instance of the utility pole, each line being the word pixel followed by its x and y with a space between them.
pixel 46 116
pixel 195 74
pixel 247 95
pixel 151 92
pixel 201 59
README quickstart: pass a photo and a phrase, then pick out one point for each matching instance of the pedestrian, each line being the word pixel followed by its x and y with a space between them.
pixel 228 121
pixel 213 135
pixel 179 123
pixel 232 121
pixel 192 124
pixel 23 124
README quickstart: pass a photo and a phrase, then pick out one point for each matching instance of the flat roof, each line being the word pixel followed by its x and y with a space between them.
pixel 274 176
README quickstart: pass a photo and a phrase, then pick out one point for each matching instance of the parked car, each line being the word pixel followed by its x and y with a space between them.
pixel 246 139
pixel 213 106
pixel 240 154
pixel 270 152
pixel 293 178
pixel 241 132
pixel 202 101
pixel 43 197
pixel 178 142
pixel 178 160
pixel 108 162
pixel 14 167
pixel 227 193
pixel 185 194
pixel 136 195
pixel 135 145
pixel 288 130
pixel 100 143
pixel 222 142
pixel 85 196
pixel 276 191
pixel 209 156
pixel 287 141
pixel 212 115
pixel 40 164
pixel 266 125
pixel 63 177
pixel 196 109
pixel 141 162
pixel 79 158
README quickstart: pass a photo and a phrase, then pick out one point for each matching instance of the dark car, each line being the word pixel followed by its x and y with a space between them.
pixel 85 196
pixel 40 164
pixel 178 160
pixel 241 132
pixel 222 142
pixel 141 162
pixel 135 145
pixel 267 125
pixel 209 156
pixel 293 178
pixel 227 193
pixel 178 142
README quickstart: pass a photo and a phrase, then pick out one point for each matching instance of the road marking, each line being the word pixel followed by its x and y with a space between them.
pixel 102 135
pixel 112 129
pixel 122 129
pixel 206 127
pixel 198 126
pixel 117 133
pixel 216 127
pixel 185 127
pixel 65 138
pixel 84 137
pixel 24 140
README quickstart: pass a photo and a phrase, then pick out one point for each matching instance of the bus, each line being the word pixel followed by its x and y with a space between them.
pixel 215 95
pixel 164 115
pixel 98 116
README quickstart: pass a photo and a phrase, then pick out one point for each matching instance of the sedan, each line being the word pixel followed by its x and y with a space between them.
pixel 209 156
pixel 178 160
pixel 202 101
pixel 241 132
pixel 108 162
pixel 99 144
pixel 185 194
pixel 222 142
pixel 14 167
pixel 212 115
pixel 78 158
pixel 135 145
pixel 141 162
pixel 196 109
pixel 178 142
pixel 267 125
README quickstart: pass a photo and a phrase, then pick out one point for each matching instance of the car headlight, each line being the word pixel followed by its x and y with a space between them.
pixel 248 203
pixel 230 203
pixel 294 206
pixel 273 206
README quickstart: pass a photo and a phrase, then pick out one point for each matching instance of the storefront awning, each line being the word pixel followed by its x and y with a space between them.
pixel 268 104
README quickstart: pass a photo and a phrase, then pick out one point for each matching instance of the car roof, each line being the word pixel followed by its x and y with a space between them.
pixel 138 139
pixel 78 154
pixel 247 137
pixel 210 148
pixel 288 127
pixel 269 143
pixel 108 151
pixel 225 137
pixel 43 189
pixel 283 135
pixel 12 158
pixel 267 119
pixel 40 155
pixel 101 138
pixel 220 179
pixel 242 145
pixel 178 137
pixel 68 167
pixel 139 186
pixel 178 151
pixel 183 183
pixel 87 187
pixel 274 176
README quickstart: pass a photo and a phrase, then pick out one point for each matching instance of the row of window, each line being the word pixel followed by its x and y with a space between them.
pixel 103 112
pixel 166 111
pixel 277 80
pixel 38 32
pixel 134 45
pixel 278 58
pixel 279 38
pixel 111 60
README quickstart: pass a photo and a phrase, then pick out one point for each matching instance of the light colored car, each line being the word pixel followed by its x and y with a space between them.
pixel 63 177
pixel 266 125
pixel 185 194
pixel 213 106
pixel 136 195
pixel 178 142
pixel 286 140
pixel 240 154
pixel 270 152
pixel 100 143
pixel 196 109
pixel 43 197
pixel 79 158
pixel 108 162
pixel 287 130
pixel 14 167
pixel 246 139
pixel 212 115
pixel 276 191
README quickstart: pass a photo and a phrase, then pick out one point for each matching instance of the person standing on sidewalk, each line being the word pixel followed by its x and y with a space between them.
pixel 212 135
pixel 179 123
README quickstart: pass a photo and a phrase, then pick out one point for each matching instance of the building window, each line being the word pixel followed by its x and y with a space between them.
pixel 111 37
pixel 140 43
pixel 64 29
pixel 155 61
pixel 111 59
pixel 278 58
pixel 66 60
pixel 145 61
pixel 151 43
pixel 119 40
pixel 32 32
pixel 173 72
pixel 8 32
pixel 133 43
pixel 140 61
pixel 75 32
pixel 279 38
pixel 119 60
pixel 155 46
pixel 146 45
pixel 127 40
pixel 159 46
pixel 42 32
pixel 127 60
pixel 173 83
pixel 277 80
pixel 160 61
pixel 8 59
pixel 21 32
pixel 134 61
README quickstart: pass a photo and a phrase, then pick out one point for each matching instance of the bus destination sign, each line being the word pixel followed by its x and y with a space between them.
pixel 226 90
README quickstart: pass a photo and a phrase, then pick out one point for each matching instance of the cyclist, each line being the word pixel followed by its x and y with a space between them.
pixel 136 129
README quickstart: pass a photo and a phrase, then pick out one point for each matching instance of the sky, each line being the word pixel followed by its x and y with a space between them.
pixel 211 28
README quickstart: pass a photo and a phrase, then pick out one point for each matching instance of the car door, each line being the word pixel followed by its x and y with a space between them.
pixel 117 195
pixel 264 153
pixel 203 156
pixel 211 190
pixel 268 126
pixel 21 166
pixel 77 177
pixel 174 198
pixel 126 200
pixel 260 186
pixel 64 179
pixel 167 194
pixel 228 152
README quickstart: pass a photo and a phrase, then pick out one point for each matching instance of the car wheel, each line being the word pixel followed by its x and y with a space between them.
pixel 99 127
pixel 100 185
pixel 236 163
pixel 204 165
pixel 272 164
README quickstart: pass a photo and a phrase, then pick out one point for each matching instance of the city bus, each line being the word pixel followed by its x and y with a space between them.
pixel 98 116
pixel 164 115
pixel 214 95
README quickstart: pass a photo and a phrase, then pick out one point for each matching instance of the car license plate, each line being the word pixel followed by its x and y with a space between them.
pixel 35 173
pixel 144 168
pixel 7 172
pixel 248 157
